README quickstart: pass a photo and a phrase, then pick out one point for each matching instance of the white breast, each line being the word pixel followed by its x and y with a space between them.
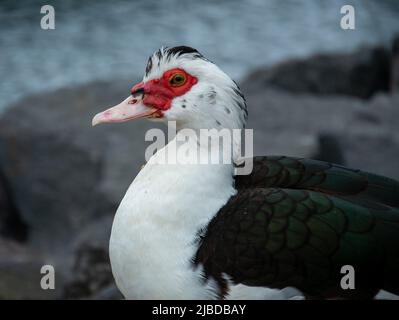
pixel 153 234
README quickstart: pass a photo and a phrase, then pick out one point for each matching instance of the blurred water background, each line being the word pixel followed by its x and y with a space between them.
pixel 112 39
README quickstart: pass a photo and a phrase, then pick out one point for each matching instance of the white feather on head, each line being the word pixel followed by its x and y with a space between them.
pixel 214 102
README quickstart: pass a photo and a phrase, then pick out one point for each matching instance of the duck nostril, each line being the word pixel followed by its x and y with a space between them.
pixel 137 92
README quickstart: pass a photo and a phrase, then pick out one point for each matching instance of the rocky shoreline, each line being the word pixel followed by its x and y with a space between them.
pixel 61 180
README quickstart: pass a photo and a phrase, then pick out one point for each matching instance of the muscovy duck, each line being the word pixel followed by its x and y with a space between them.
pixel 185 231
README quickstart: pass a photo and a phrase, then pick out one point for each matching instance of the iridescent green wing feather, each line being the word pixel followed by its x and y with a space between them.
pixel 298 222
pixel 297 173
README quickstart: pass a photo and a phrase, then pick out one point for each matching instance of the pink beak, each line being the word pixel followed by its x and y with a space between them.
pixel 130 108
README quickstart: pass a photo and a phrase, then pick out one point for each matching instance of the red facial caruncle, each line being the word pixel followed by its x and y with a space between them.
pixel 159 93
pixel 149 99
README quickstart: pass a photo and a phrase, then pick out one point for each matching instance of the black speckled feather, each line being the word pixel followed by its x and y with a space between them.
pixel 296 222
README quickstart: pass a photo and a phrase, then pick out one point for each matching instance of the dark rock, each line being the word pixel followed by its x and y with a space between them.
pixel 11 225
pixel 329 149
pixel 395 65
pixel 360 74
pixel 108 293
pixel 20 273
pixel 364 132
pixel 367 117
pixel 65 177
pixel 63 173
pixel 92 273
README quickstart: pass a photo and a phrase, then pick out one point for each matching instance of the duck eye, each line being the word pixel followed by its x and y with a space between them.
pixel 177 80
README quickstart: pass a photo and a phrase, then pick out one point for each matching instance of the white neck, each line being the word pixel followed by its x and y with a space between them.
pixel 155 228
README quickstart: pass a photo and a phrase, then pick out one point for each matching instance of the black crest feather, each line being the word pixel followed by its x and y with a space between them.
pixel 170 52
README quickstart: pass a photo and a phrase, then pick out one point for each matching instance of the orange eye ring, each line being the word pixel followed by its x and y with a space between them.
pixel 177 80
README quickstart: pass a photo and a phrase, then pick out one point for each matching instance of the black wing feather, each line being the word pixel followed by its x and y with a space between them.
pixel 296 222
